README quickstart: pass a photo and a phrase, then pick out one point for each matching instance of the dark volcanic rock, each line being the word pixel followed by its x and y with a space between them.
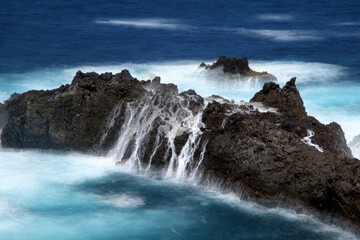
pixel 288 101
pixel 231 65
pixel 70 117
pixel 264 165
pixel 238 67
pixel 262 154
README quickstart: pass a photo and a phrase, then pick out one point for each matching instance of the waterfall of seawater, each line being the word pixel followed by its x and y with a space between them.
pixel 149 133
pixel 162 131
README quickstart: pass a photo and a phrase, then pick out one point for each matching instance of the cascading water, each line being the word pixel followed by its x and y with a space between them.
pixel 162 131
pixel 307 141
pixel 151 131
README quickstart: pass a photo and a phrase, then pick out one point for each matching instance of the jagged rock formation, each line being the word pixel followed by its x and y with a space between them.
pixel 263 154
pixel 288 101
pixel 249 147
pixel 70 117
pixel 238 68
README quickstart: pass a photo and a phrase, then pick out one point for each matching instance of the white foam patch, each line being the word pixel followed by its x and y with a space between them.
pixel 283 35
pixel 150 23
pixel 6 209
pixel 275 17
pixel 124 201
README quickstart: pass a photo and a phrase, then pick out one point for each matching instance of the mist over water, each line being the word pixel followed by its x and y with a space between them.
pixel 46 195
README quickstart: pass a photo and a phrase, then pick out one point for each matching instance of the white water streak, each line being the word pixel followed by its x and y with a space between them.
pixel 195 172
pixel 145 23
pixel 307 141
pixel 110 122
pixel 275 17
pixel 168 117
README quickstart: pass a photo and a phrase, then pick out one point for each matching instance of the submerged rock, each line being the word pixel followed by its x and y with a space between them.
pixel 238 69
pixel 251 148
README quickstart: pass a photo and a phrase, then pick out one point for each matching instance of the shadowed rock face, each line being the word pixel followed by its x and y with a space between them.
pixel 70 117
pixel 250 148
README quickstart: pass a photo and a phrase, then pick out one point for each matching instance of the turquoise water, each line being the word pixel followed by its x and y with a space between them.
pixel 47 195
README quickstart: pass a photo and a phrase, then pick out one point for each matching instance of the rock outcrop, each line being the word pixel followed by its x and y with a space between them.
pixel 249 147
pixel 237 68
pixel 288 101
pixel 264 155
pixel 70 117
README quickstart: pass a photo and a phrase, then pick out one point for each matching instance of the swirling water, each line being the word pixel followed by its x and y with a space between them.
pixel 47 195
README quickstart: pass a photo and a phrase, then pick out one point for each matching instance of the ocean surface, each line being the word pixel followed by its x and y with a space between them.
pixel 55 195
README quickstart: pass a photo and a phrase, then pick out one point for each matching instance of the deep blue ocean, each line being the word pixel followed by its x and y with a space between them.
pixel 45 195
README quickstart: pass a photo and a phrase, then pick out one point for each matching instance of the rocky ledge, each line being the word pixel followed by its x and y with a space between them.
pixel 268 149
pixel 237 69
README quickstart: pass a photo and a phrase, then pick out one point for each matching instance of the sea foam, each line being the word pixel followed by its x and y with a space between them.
pixel 124 201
